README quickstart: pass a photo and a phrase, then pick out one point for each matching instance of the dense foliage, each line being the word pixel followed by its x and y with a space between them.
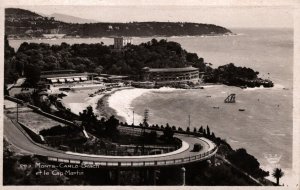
pixel 237 76
pixel 32 58
pixel 247 162
pixel 10 75
pixel 101 128
pixel 60 130
pixel 99 57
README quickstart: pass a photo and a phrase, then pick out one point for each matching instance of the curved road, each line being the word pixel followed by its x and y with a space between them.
pixel 19 138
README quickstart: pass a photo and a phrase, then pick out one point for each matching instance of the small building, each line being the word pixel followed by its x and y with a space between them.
pixel 60 77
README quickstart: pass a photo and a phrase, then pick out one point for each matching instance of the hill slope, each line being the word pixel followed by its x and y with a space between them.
pixel 71 19
pixel 23 23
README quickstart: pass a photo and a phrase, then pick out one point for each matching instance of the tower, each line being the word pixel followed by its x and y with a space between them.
pixel 120 42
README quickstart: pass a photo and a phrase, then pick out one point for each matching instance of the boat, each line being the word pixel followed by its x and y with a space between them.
pixel 241 109
pixel 216 107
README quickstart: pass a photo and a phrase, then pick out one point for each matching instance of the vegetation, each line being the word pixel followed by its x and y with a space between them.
pixel 60 130
pixel 102 128
pixel 10 75
pixel 203 174
pixel 23 23
pixel 277 174
pixel 168 133
pixel 21 169
pixel 221 175
pixel 31 59
pixel 100 58
pixel 247 163
pixel 237 76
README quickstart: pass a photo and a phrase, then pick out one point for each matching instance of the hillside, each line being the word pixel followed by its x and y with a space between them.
pixel 20 13
pixel 21 23
pixel 71 19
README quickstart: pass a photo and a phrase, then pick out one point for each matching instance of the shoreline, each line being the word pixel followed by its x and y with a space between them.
pixel 103 108
pixel 122 108
pixel 118 103
pixel 111 37
pixel 125 111
pixel 79 99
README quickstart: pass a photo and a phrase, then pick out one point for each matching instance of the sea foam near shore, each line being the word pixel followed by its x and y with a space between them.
pixel 121 101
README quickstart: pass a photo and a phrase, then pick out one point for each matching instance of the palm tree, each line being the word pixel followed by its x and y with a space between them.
pixel 277 173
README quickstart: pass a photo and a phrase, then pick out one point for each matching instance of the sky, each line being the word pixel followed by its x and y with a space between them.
pixel 228 16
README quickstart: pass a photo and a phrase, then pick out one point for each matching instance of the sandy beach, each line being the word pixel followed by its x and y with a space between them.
pixel 78 100
pixel 120 101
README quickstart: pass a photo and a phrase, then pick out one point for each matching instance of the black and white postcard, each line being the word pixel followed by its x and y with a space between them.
pixel 150 93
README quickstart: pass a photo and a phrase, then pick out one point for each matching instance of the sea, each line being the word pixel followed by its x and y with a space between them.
pixel 265 127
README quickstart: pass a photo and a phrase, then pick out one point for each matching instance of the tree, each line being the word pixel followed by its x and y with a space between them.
pixel 247 162
pixel 8 50
pixel 99 69
pixel 89 119
pixel 201 129
pixel 6 92
pixel 32 73
pixel 213 136
pixel 277 174
pixel 207 131
pixel 112 126
pixel 168 132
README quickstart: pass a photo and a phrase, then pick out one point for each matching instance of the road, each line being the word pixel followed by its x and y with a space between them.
pixel 16 136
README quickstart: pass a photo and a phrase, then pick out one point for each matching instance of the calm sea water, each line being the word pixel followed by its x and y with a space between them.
pixel 265 127
pixel 266 50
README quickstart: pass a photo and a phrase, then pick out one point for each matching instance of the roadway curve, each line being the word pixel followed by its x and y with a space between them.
pixel 19 138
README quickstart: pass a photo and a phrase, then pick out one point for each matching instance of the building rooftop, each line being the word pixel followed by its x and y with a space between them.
pixel 66 75
pixel 58 71
pixel 171 69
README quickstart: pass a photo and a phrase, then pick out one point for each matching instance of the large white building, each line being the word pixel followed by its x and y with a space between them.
pixel 171 75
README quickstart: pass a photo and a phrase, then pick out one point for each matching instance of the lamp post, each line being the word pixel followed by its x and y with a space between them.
pixel 189 121
pixel 17 112
pixel 183 175
pixel 133 117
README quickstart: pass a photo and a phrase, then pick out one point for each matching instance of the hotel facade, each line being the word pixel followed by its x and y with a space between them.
pixel 164 76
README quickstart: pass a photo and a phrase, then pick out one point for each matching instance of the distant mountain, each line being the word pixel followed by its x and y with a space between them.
pixel 21 23
pixel 19 13
pixel 71 19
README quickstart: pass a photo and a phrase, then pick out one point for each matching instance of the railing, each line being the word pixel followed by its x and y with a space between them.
pixel 14 99
pixel 167 162
pixel 130 127
pixel 38 110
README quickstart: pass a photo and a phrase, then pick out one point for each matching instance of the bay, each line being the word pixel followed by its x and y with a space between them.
pixel 265 127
